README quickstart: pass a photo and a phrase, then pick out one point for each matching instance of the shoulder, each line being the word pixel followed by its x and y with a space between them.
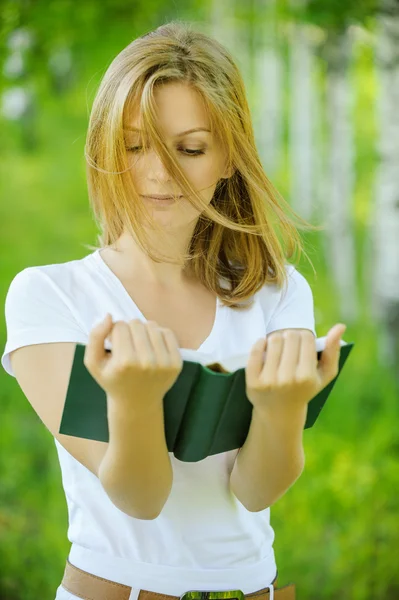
pixel 45 293
pixel 46 278
pixel 40 308
pixel 289 305
pixel 29 281
pixel 295 283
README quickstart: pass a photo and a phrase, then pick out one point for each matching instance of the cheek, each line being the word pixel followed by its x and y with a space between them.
pixel 137 167
pixel 203 170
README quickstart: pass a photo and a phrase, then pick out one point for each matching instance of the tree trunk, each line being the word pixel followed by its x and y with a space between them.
pixel 384 272
pixel 301 95
pixel 338 198
pixel 269 72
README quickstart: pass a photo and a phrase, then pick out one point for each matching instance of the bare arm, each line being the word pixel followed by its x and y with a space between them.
pixel 271 459
pixel 136 472
pixel 280 384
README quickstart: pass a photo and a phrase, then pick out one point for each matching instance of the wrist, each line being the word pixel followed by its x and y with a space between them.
pixel 282 416
pixel 125 420
pixel 127 410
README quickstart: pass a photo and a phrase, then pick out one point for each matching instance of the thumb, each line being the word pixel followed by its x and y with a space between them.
pixel 95 350
pixel 329 360
pixel 101 322
pixel 256 361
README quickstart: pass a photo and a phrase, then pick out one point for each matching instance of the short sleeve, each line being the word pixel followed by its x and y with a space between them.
pixel 36 313
pixel 295 308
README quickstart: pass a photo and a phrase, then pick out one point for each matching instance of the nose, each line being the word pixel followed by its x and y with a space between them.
pixel 155 168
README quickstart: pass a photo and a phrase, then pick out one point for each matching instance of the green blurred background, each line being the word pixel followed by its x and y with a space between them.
pixel 337 529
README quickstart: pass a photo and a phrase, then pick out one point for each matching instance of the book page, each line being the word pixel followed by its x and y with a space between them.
pixel 238 361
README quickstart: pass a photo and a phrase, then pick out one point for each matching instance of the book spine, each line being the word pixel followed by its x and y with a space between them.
pixel 208 394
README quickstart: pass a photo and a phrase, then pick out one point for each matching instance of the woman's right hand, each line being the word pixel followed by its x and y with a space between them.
pixel 143 365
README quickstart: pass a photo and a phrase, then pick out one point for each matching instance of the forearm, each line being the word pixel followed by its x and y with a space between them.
pixel 271 459
pixel 136 471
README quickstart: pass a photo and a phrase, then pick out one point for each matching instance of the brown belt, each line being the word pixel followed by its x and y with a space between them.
pixel 90 587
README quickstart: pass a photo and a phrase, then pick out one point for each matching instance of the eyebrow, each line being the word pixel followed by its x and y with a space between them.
pixel 177 134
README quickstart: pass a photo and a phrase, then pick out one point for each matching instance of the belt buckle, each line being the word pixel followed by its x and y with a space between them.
pixel 198 595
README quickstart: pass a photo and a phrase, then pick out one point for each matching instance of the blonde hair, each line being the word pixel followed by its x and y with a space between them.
pixel 236 235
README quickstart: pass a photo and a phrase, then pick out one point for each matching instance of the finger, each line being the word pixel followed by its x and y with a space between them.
pixel 289 356
pixel 275 343
pixel 157 339
pixel 123 349
pixel 255 360
pixel 172 346
pixel 307 362
pixel 95 350
pixel 329 360
pixel 142 346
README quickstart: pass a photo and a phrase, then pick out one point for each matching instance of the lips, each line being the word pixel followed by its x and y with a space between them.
pixel 159 197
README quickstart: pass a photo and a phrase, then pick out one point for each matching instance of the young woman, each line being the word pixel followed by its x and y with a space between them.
pixel 189 248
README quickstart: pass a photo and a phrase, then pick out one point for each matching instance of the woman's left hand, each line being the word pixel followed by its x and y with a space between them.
pixel 290 376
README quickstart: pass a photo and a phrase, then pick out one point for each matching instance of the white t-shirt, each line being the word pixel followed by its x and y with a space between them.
pixel 204 538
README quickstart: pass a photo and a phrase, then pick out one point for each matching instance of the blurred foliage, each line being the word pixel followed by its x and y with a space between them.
pixel 337 527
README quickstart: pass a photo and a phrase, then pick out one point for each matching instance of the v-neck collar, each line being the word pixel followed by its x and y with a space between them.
pixel 206 346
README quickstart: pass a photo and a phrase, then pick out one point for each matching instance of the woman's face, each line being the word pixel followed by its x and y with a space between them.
pixel 179 109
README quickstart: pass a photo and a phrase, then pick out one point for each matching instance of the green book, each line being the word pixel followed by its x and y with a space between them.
pixel 206 411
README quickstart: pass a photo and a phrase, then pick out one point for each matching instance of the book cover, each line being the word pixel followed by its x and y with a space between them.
pixel 206 411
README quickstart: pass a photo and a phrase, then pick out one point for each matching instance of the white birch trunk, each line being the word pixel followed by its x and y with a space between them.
pixel 340 235
pixel 320 174
pixel 301 122
pixel 269 72
pixel 221 23
pixel 231 31
pixel 384 223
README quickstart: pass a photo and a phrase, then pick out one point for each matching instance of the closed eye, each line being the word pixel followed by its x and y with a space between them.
pixel 186 151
